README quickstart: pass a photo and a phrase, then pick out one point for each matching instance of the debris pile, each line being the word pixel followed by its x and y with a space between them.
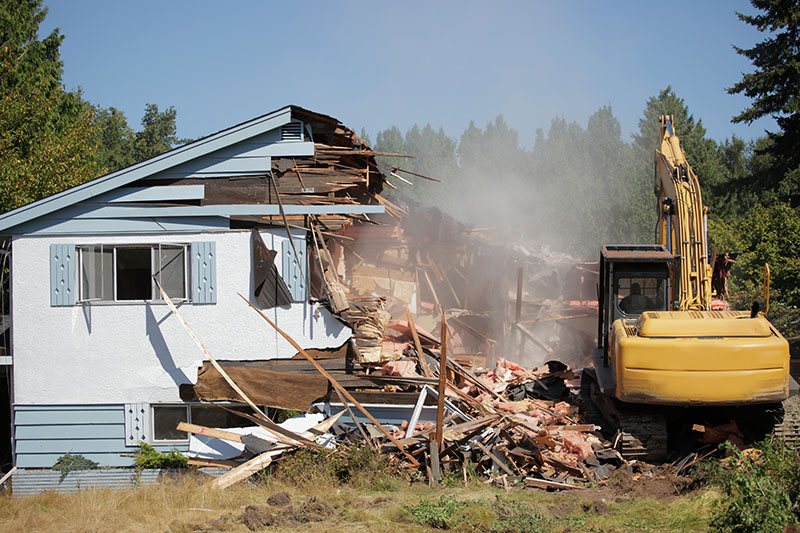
pixel 512 424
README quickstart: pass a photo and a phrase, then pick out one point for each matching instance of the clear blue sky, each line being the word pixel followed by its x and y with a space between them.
pixel 376 64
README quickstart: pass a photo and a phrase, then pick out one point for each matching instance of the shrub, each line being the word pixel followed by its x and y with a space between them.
pixel 436 514
pixel 68 462
pixel 761 489
pixel 149 457
pixel 347 464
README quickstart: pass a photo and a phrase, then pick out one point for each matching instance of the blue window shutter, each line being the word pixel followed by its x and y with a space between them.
pixel 295 277
pixel 204 272
pixel 62 274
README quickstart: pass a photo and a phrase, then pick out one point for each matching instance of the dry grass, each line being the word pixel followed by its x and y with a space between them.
pixel 354 507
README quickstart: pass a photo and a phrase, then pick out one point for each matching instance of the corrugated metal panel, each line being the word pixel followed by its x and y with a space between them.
pixel 29 482
pixel 62 274
pixel 204 272
pixel 294 275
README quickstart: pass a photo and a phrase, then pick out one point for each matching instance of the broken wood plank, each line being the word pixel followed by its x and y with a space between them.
pixel 436 474
pixel 545 484
pixel 209 432
pixel 442 385
pixel 332 380
pixel 417 345
pixel 260 462
pixel 494 458
pixel 270 424
pixel 222 463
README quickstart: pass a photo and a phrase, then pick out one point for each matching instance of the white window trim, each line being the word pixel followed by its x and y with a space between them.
pixel 155 250
pixel 188 406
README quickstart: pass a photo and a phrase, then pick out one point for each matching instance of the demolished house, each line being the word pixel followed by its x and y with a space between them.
pixel 97 364
pixel 364 292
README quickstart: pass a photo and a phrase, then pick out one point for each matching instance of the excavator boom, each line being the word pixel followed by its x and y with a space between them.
pixel 682 222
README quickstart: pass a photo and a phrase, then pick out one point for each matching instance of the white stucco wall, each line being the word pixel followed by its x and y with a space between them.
pixel 139 352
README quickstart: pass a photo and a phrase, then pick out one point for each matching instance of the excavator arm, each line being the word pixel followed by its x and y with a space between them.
pixel 682 222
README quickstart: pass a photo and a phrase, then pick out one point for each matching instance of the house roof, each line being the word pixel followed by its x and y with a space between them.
pixel 158 164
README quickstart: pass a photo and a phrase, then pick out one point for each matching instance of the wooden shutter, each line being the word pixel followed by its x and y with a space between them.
pixel 136 423
pixel 62 274
pixel 204 272
pixel 293 274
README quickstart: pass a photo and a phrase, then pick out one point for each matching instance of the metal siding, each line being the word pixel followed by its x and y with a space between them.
pixel 204 272
pixel 62 275
pixel 74 446
pixel 30 482
pixel 73 431
pixel 43 433
pixel 294 276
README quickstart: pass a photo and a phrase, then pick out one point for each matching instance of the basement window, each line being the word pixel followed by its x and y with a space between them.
pixel 167 417
pixel 127 272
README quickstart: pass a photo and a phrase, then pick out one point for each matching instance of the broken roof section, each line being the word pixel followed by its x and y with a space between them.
pixel 282 166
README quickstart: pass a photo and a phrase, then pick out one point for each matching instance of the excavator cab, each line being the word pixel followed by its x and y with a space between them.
pixel 634 278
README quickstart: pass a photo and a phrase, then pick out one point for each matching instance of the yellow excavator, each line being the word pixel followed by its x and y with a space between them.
pixel 664 356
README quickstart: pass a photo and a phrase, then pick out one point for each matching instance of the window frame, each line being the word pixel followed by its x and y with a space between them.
pixel 155 267
pixel 188 407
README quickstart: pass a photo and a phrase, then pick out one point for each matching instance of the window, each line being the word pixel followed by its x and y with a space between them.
pixel 636 294
pixel 167 417
pixel 126 272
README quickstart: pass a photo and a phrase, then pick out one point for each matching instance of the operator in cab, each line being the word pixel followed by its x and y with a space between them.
pixel 636 302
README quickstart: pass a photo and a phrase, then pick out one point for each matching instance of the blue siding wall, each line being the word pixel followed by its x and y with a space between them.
pixel 43 433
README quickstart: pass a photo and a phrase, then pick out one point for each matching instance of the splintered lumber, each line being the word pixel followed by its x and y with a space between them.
pixel 442 385
pixel 417 345
pixel 272 426
pixel 417 175
pixel 333 382
pixel 336 295
pixel 260 462
pixel 223 463
pixel 545 484
pixel 209 432
pixel 353 418
pixel 493 457
pixel 286 222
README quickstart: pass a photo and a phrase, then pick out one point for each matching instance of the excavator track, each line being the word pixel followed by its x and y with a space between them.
pixel 787 427
pixel 637 434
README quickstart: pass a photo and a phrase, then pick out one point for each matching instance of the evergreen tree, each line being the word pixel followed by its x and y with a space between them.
pixel 157 134
pixel 114 140
pixel 45 133
pixel 775 90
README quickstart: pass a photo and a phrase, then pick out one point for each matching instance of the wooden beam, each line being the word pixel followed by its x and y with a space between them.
pixel 442 385
pixel 272 426
pixel 209 432
pixel 333 382
pixel 417 345
pixel 260 462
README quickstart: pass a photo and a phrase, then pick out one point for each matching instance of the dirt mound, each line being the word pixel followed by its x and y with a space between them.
pixel 313 510
pixel 279 499
pixel 256 517
pixel 660 483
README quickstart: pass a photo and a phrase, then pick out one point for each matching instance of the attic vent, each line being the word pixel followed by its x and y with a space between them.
pixel 292 131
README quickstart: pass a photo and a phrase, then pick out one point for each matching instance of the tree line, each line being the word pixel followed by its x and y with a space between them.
pixel 575 188
pixel 578 187
pixel 51 138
